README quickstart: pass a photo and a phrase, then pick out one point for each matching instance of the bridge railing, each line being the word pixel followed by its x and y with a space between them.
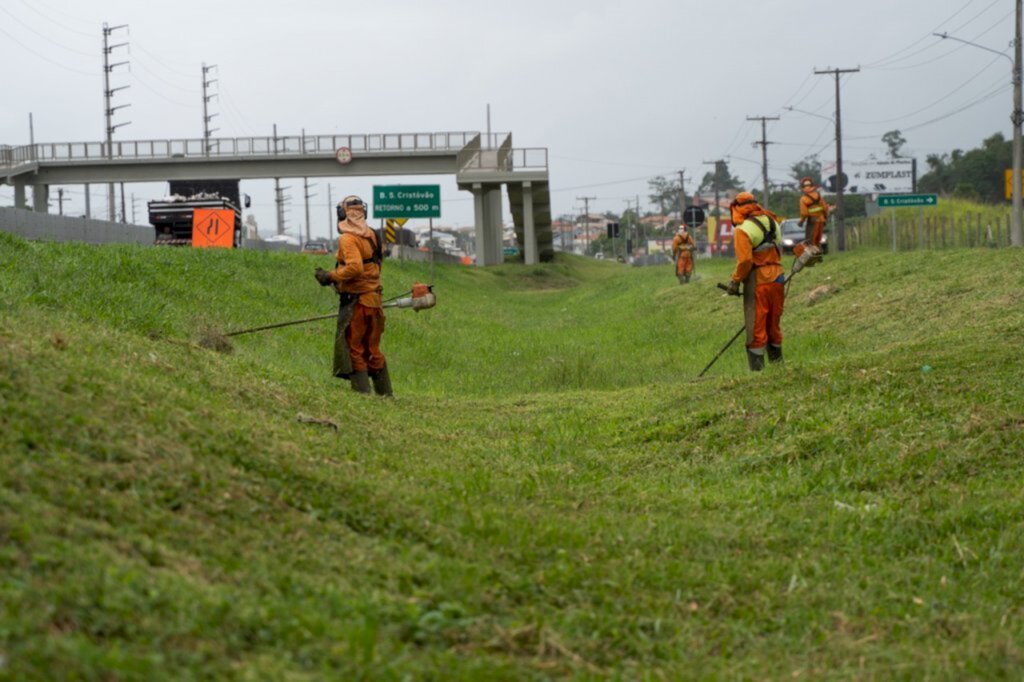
pixel 505 160
pixel 121 150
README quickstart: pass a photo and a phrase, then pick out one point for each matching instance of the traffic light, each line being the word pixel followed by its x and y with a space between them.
pixel 613 230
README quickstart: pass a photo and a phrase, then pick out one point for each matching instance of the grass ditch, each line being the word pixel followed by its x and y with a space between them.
pixel 551 495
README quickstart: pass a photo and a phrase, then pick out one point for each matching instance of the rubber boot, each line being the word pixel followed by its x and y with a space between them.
pixel 774 353
pixel 686 279
pixel 382 382
pixel 360 382
pixel 756 361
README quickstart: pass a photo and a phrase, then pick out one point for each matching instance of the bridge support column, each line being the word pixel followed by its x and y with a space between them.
pixel 529 231
pixel 88 202
pixel 19 195
pixel 41 198
pixel 494 225
pixel 487 220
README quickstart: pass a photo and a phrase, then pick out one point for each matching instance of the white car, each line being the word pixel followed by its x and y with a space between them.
pixel 793 233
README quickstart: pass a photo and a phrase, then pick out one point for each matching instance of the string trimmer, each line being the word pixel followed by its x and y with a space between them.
pixel 809 257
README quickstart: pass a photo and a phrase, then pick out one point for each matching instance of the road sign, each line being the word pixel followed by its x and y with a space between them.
pixel 343 155
pixel 894 200
pixel 693 216
pixel 213 227
pixel 407 201
pixel 510 251
pixel 1009 183
pixel 391 228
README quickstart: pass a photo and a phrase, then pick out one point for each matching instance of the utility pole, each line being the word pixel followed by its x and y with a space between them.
pixel 764 151
pixel 333 218
pixel 124 218
pixel 1016 237
pixel 718 163
pixel 682 193
pixel 31 134
pixel 638 227
pixel 586 218
pixel 1016 117
pixel 305 187
pixel 109 110
pixel 60 201
pixel 207 117
pixel 841 219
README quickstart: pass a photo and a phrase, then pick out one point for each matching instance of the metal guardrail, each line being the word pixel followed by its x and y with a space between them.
pixel 318 145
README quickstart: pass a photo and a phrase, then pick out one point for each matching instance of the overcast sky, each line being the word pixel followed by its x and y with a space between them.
pixel 617 92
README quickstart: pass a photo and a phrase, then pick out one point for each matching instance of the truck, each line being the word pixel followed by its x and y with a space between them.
pixel 173 216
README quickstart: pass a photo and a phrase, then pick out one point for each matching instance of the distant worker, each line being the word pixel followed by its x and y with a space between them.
pixel 683 247
pixel 813 212
pixel 759 268
pixel 357 354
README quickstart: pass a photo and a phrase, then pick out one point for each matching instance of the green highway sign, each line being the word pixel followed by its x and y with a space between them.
pixel 407 201
pixel 908 200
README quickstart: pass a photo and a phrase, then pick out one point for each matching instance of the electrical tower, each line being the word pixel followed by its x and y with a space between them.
pixel 108 109
pixel 207 117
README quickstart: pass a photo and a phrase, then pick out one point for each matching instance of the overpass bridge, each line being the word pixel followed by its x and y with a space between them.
pixel 481 166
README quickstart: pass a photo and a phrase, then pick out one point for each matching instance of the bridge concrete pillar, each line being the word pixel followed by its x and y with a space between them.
pixel 88 202
pixel 494 225
pixel 478 224
pixel 40 198
pixel 19 195
pixel 487 223
pixel 529 231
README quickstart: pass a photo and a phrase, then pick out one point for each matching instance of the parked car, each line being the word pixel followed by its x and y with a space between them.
pixel 793 233
pixel 317 248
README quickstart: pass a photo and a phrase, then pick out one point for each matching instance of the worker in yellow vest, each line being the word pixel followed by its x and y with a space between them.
pixel 759 269
pixel 813 212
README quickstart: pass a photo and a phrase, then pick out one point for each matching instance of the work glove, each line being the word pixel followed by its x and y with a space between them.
pixel 733 289
pixel 323 277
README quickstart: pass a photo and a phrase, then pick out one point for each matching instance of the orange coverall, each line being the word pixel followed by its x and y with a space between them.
pixel 682 255
pixel 770 290
pixel 814 211
pixel 353 276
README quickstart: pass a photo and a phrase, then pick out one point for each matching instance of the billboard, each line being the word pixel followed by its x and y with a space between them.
pixel 890 176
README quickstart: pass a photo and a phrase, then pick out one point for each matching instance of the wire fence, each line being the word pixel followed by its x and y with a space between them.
pixel 968 230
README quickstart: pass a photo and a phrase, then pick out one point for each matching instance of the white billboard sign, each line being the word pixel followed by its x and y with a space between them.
pixel 894 176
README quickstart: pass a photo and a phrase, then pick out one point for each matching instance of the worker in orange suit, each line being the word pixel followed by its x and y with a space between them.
pixel 683 247
pixel 357 354
pixel 813 211
pixel 759 269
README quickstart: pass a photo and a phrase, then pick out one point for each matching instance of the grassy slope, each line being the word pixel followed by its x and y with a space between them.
pixel 552 493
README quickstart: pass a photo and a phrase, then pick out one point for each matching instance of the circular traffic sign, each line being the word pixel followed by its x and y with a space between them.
pixel 693 216
pixel 343 155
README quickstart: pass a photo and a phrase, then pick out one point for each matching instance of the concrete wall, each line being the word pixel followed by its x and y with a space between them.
pixel 55 228
pixel 32 225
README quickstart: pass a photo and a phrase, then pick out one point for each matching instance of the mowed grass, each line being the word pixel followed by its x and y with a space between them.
pixel 553 494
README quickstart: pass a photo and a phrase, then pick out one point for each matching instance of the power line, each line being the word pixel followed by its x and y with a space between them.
pixel 44 57
pixel 949 94
pixel 1000 22
pixel 45 37
pixel 879 62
